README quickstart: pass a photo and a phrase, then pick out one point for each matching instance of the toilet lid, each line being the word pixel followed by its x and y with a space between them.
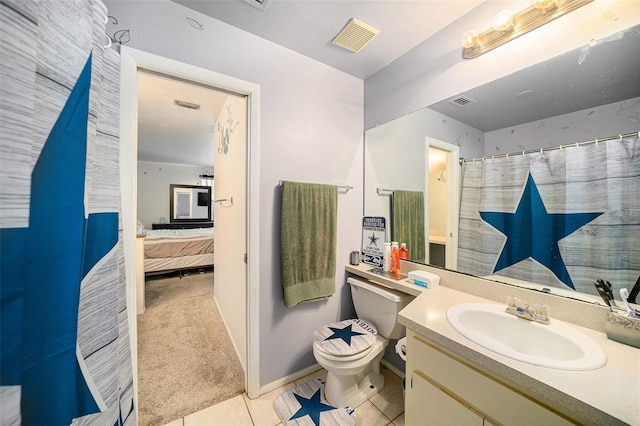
pixel 345 338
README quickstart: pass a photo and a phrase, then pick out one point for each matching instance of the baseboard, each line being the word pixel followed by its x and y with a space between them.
pixel 393 368
pixel 233 343
pixel 288 379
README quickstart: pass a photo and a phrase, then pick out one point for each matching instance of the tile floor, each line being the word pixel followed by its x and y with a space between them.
pixel 386 408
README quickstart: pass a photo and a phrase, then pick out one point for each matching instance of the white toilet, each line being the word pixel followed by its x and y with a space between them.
pixel 351 350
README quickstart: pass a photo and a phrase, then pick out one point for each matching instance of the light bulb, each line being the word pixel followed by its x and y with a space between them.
pixel 469 38
pixel 503 21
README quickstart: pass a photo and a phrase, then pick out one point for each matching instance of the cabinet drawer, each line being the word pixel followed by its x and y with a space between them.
pixel 500 403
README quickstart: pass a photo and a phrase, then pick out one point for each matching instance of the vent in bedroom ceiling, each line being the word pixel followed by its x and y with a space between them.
pixel 260 4
pixel 186 104
pixel 355 35
pixel 462 101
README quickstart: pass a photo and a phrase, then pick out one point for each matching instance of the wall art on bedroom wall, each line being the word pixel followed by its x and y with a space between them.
pixel 225 131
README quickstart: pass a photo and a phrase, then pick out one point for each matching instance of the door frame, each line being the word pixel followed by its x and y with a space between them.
pixel 131 60
pixel 453 199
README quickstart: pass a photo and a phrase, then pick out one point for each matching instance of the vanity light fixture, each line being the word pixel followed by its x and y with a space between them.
pixel 507 26
pixel 503 21
pixel 469 38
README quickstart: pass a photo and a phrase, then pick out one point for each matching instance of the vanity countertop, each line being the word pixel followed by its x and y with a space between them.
pixel 607 395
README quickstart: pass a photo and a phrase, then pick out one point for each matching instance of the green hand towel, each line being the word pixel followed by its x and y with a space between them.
pixel 308 235
pixel 408 222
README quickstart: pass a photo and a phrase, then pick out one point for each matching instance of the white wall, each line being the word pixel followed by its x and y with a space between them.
pixel 311 130
pixel 435 70
pixel 153 187
pixel 395 154
pixel 600 122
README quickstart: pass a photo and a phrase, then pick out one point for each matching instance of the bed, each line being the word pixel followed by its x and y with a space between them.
pixel 168 250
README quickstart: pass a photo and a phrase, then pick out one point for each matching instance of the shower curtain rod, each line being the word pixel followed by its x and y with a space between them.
pixel 346 188
pixel 541 150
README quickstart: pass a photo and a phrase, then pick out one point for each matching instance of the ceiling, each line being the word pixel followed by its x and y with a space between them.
pixel 308 27
pixel 168 133
pixel 171 134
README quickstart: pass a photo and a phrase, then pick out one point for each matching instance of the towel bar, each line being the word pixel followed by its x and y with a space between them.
pixel 346 188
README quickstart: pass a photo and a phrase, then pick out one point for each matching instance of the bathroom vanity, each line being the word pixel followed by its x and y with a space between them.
pixel 452 380
pixel 445 389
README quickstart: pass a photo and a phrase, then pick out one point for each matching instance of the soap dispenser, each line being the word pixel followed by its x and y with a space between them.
pixel 386 258
pixel 395 258
pixel 404 252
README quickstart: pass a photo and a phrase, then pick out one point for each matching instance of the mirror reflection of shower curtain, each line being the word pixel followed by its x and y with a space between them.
pixel 582 202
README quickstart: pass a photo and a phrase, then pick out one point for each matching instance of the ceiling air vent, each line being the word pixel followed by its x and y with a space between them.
pixel 462 101
pixel 355 35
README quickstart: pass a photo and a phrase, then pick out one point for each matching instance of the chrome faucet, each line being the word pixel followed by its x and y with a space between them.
pixel 539 312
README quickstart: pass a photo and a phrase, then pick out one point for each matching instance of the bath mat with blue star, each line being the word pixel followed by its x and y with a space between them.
pixel 305 405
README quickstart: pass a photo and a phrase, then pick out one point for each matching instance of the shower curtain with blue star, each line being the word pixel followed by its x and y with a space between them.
pixel 562 218
pixel 64 341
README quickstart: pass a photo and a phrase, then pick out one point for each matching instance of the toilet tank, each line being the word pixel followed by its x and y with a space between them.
pixel 379 305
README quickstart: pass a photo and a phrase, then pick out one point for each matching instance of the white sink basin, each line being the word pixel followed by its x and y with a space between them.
pixel 556 345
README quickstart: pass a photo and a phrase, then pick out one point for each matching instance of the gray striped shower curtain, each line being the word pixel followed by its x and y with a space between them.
pixel 64 346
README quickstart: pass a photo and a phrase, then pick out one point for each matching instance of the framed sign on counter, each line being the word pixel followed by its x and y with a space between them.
pixel 373 236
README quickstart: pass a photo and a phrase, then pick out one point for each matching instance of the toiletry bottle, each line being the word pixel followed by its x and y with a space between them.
pixel 395 258
pixel 404 253
pixel 386 257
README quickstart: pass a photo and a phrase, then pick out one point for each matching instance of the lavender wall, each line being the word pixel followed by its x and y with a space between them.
pixel 311 130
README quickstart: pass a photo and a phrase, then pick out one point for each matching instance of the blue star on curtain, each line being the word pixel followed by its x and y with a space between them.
pixel 534 233
pixel 343 333
pixel 311 407
pixel 58 249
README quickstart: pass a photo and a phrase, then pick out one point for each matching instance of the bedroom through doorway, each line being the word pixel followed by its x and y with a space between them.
pixel 191 197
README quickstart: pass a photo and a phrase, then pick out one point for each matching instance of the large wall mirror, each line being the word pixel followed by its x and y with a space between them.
pixel 190 203
pixel 590 93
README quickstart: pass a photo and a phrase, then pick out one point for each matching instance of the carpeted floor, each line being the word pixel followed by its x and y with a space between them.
pixel 186 361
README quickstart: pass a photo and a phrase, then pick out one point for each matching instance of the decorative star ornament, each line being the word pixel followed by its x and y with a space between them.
pixel 534 233
pixel 343 333
pixel 311 407
pixel 373 240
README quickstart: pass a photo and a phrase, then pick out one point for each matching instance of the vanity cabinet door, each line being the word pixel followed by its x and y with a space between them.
pixel 469 387
pixel 431 405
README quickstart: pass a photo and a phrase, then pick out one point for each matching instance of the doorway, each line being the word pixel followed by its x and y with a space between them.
pixel 187 359
pixel 131 61
pixel 443 183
